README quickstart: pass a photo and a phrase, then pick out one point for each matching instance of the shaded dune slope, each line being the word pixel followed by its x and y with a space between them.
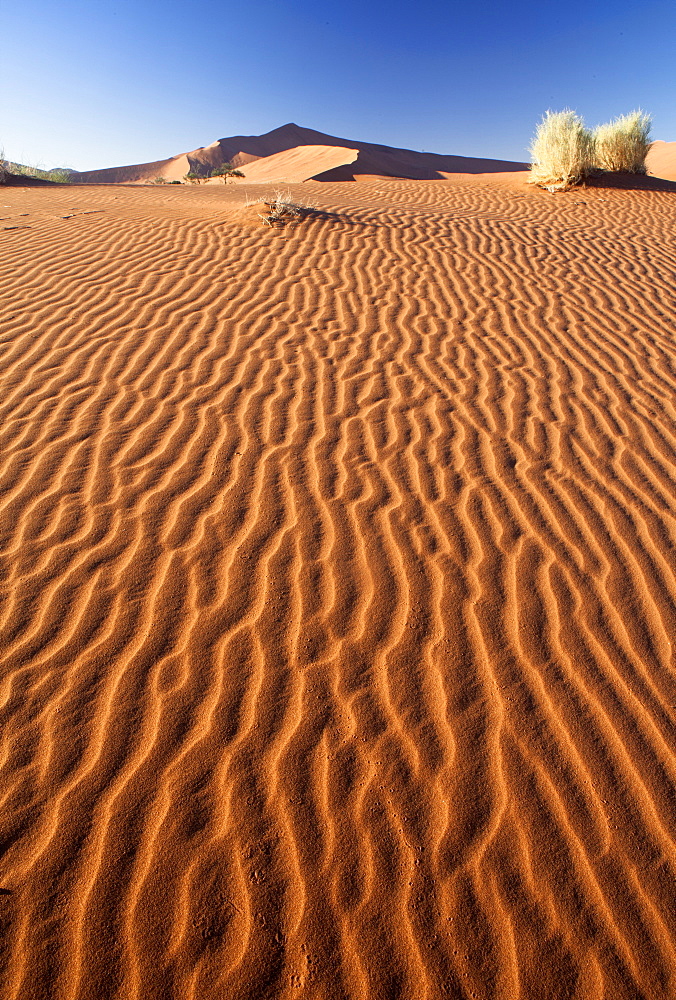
pixel 338 596
pixel 243 149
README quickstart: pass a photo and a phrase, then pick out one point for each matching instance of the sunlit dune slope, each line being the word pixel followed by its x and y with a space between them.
pixel 299 164
pixel 661 160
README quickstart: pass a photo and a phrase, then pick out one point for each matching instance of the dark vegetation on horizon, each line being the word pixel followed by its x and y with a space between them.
pixel 58 175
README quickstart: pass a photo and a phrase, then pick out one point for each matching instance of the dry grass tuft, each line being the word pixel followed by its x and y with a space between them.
pixel 623 144
pixel 562 151
pixel 281 209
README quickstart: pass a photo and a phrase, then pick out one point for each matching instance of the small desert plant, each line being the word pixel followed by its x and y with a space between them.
pixel 159 180
pixel 562 151
pixel 623 144
pixel 281 209
pixel 226 170
pixel 60 175
pixel 22 170
pixel 4 168
pixel 192 177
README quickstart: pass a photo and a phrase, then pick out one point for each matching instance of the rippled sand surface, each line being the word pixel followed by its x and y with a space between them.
pixel 338 594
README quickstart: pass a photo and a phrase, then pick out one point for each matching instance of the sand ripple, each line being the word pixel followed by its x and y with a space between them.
pixel 338 595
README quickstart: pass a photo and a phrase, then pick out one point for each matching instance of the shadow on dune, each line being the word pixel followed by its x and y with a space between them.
pixel 325 216
pixel 19 180
pixel 381 161
pixel 312 214
pixel 630 182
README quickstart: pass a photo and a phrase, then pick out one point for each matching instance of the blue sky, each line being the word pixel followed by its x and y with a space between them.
pixel 90 84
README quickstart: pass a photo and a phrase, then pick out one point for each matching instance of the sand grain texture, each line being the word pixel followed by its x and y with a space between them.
pixel 338 595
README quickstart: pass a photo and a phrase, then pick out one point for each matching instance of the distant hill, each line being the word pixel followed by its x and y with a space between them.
pixel 371 160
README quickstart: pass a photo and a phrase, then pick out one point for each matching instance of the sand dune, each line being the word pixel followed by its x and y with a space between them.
pixel 242 150
pixel 661 160
pixel 338 595
pixel 299 164
pixel 301 161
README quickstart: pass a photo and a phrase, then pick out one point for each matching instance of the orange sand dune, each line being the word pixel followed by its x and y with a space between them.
pixel 242 150
pixel 299 164
pixel 338 594
pixel 661 160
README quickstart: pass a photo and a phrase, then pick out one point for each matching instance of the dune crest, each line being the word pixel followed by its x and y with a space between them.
pixel 241 150
pixel 302 163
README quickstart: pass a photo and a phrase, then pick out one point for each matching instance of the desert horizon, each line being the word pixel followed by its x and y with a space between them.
pixel 294 153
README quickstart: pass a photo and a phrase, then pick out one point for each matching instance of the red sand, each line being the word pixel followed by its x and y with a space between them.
pixel 339 596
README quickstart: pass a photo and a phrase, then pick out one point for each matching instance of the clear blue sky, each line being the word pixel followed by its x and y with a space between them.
pixel 89 84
